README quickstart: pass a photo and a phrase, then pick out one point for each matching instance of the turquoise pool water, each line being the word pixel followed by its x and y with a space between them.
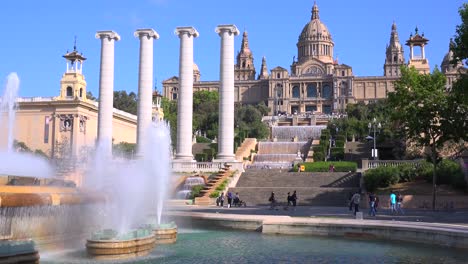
pixel 214 246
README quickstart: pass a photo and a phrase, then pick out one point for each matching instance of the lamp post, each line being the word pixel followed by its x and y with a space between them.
pixel 374 126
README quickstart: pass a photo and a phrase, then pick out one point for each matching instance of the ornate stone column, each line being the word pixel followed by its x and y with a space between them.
pixel 145 85
pixel 106 90
pixel 185 98
pixel 226 93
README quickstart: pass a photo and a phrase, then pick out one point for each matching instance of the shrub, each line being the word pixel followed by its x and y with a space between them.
pixel 214 194
pixel 196 191
pixel 324 166
pixel 380 177
pixel 201 139
pixel 339 143
pixel 407 172
pixel 340 138
pixel 337 153
pixel 424 170
pixel 318 156
pixel 201 157
pixel 450 172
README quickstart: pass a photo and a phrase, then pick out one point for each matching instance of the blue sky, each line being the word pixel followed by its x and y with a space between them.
pixel 35 34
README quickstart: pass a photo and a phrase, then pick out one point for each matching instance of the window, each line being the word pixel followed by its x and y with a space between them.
pixel 311 108
pixel 69 92
pixel 278 75
pixel 294 110
pixel 326 91
pixel 342 73
pixel 295 92
pixel 327 109
pixel 81 92
pixel 311 90
pixel 46 129
pixel 174 96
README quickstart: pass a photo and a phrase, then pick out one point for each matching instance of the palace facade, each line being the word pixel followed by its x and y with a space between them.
pixel 316 82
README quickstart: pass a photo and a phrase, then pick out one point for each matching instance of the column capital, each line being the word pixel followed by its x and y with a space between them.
pixel 229 28
pixel 107 34
pixel 191 31
pixel 149 32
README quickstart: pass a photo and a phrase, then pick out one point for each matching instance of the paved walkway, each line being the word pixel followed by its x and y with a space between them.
pixel 459 217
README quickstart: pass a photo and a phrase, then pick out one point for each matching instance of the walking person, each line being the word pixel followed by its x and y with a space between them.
pixel 221 199
pixel 289 202
pixel 392 202
pixel 356 200
pixel 399 202
pixel 272 201
pixel 371 204
pixel 229 198
pixel 294 200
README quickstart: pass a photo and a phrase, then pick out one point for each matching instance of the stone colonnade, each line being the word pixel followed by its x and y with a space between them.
pixel 185 100
pixel 106 90
pixel 145 85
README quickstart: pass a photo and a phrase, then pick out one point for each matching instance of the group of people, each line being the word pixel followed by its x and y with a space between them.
pixel 232 200
pixel 395 202
pixel 291 201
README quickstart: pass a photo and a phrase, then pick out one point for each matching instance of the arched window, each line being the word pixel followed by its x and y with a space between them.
pixel 326 91
pixel 344 89
pixel 311 90
pixel 395 58
pixel 69 92
pixel 81 92
pixel 278 75
pixel 295 92
pixel 279 90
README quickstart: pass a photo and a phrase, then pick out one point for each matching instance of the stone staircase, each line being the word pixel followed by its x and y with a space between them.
pixel 243 151
pixel 211 184
pixel 313 189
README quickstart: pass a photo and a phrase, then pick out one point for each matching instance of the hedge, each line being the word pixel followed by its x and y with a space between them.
pixel 318 156
pixel 380 177
pixel 324 166
pixel 201 157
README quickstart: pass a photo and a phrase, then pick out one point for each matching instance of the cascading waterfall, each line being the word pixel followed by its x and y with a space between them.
pixel 303 133
pixel 188 185
pixel 281 147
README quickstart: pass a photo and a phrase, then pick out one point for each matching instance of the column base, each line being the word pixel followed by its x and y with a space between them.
pixel 225 158
pixel 184 157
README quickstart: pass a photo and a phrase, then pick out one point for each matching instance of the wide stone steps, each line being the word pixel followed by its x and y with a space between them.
pixel 313 188
pixel 310 196
pixel 275 177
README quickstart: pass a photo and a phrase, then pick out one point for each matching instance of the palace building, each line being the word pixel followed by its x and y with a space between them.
pixel 316 81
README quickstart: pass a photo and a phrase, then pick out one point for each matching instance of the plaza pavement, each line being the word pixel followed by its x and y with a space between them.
pixel 458 217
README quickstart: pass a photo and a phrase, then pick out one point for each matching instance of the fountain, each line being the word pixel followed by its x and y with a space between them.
pixel 133 188
pixel 303 133
pixel 189 182
pixel 12 161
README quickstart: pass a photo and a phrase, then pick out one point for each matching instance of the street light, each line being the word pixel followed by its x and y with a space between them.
pixel 375 127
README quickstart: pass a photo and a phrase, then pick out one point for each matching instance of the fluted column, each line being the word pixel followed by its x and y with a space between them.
pixel 145 85
pixel 106 90
pixel 185 98
pixel 226 93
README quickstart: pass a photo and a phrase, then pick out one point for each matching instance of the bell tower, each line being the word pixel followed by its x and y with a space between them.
pixel 394 58
pixel 244 68
pixel 73 84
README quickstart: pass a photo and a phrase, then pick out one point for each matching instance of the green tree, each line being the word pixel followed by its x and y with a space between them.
pixel 89 95
pixel 421 108
pixel 170 115
pixel 205 112
pixel 459 92
pixel 125 102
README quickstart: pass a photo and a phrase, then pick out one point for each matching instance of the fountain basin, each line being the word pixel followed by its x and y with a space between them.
pixel 107 244
pixel 165 233
pixel 18 252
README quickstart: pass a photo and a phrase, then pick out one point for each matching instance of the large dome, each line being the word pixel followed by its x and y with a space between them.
pixel 315 40
pixel 315 29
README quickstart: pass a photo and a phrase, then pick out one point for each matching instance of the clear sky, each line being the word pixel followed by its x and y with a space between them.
pixel 35 34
